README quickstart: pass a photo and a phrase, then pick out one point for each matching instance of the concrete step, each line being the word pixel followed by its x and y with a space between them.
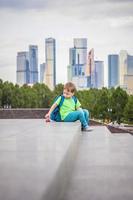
pixel 103 169
pixel 36 158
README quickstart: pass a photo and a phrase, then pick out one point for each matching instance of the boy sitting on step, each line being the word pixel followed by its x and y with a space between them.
pixel 70 110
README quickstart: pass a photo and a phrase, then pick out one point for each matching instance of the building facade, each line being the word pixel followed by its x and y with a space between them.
pixel 23 71
pixel 50 55
pixel 42 73
pixel 99 74
pixel 90 69
pixel 126 71
pixel 122 67
pixel 113 70
pixel 78 62
pixel 33 63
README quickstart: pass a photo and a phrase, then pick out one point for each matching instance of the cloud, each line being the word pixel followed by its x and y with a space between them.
pixel 80 8
pixel 23 4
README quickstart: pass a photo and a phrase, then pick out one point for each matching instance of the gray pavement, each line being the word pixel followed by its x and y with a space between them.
pixel 46 161
pixel 36 158
pixel 103 169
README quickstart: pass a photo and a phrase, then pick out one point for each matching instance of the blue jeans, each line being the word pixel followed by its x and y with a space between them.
pixel 82 115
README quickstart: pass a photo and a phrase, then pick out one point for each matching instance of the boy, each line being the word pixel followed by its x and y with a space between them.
pixel 70 111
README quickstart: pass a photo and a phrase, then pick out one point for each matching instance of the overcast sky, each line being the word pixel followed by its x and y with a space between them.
pixel 107 24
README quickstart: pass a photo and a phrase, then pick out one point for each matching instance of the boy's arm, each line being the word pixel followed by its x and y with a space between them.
pixel 51 109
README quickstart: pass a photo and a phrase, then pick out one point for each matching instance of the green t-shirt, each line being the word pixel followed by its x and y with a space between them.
pixel 67 106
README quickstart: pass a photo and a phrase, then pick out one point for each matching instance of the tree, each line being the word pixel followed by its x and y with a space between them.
pixel 88 99
pixel 128 111
pixel 118 102
pixel 7 93
pixel 102 104
pixel 44 95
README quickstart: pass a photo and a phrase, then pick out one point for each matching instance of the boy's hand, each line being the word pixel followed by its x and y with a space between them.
pixel 47 116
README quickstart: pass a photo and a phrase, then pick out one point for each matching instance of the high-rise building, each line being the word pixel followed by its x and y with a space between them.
pixel 50 55
pixel 90 69
pixel 72 61
pixel 78 62
pixel 69 73
pixel 128 79
pixel 42 73
pixel 33 63
pixel 113 67
pixel 99 74
pixel 122 67
pixel 80 45
pixel 23 73
pixel 126 71
pixel 130 65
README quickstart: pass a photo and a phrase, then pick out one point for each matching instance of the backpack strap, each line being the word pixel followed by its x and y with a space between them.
pixel 75 100
pixel 61 101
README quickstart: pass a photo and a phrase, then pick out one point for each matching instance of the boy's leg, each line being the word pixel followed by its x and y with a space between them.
pixel 86 114
pixel 77 115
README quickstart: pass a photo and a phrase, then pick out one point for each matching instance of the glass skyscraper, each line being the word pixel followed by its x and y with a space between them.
pixel 130 65
pixel 113 70
pixel 23 72
pixel 33 63
pixel 90 70
pixel 99 74
pixel 50 55
pixel 78 62
pixel 42 73
pixel 80 45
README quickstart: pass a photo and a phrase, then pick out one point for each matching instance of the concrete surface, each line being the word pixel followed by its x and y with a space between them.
pixel 103 169
pixel 46 161
pixel 36 158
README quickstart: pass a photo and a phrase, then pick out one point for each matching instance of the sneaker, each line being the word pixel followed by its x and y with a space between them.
pixel 87 129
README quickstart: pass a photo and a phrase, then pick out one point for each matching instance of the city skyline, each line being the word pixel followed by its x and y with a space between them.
pixel 108 26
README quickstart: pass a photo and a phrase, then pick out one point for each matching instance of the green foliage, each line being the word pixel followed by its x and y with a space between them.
pixel 7 93
pixel 58 90
pixel 128 111
pixel 106 104
pixel 118 101
pixel 44 95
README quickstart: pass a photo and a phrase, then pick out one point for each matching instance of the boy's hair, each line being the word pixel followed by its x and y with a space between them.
pixel 70 87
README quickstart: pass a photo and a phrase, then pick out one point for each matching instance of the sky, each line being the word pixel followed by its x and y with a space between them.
pixel 107 24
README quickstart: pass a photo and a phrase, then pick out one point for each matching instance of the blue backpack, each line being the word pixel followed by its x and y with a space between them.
pixel 55 115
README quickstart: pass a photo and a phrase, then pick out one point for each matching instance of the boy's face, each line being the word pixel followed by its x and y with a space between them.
pixel 67 93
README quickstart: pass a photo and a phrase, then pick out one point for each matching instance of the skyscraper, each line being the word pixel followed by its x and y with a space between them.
pixel 125 70
pixel 50 55
pixel 23 73
pixel 72 61
pixel 122 67
pixel 33 63
pixel 113 67
pixel 42 73
pixel 130 65
pixel 78 61
pixel 99 74
pixel 90 69
pixel 80 45
pixel 128 78
pixel 69 73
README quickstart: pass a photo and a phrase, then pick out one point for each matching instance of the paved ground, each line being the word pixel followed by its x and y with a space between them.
pixel 104 167
pixel 31 153
pixel 35 158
